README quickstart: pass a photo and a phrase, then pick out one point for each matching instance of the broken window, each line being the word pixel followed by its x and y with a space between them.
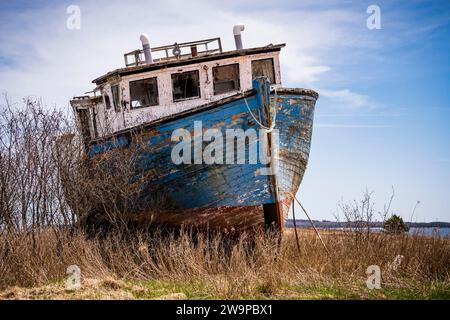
pixel 144 93
pixel 107 102
pixel 226 78
pixel 185 85
pixel 263 67
pixel 116 97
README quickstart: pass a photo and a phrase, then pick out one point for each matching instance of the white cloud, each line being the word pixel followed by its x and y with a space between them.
pixel 55 63
pixel 350 126
pixel 347 98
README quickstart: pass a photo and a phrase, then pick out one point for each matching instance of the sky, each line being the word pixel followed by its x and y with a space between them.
pixel 382 121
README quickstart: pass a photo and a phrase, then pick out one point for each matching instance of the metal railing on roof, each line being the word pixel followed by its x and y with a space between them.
pixel 175 51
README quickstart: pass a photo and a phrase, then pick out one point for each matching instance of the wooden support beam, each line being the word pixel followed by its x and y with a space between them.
pixel 273 217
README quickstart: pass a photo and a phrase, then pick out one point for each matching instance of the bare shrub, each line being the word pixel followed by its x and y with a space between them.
pixel 31 194
pixel 359 216
pixel 46 179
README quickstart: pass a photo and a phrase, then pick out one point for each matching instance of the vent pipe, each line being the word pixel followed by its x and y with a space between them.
pixel 237 29
pixel 146 48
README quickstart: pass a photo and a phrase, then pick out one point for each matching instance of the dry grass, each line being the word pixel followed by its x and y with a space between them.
pixel 45 182
pixel 125 266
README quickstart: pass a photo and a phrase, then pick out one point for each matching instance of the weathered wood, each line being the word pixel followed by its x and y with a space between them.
pixel 238 195
pixel 110 120
pixel 203 194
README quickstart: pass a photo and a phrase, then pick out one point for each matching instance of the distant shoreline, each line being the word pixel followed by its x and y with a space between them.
pixel 334 224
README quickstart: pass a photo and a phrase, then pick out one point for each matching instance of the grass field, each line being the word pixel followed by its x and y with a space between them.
pixel 138 266
pixel 46 183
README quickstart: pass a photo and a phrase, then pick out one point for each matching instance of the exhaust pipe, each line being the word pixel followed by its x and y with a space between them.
pixel 146 48
pixel 237 29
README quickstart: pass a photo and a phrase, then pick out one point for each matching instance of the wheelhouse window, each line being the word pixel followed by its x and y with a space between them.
pixel 226 78
pixel 144 93
pixel 116 97
pixel 185 85
pixel 263 67
pixel 107 101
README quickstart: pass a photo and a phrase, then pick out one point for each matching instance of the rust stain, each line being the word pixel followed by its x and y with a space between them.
pixel 224 219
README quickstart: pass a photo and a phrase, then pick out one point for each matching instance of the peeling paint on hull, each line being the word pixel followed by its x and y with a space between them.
pixel 225 196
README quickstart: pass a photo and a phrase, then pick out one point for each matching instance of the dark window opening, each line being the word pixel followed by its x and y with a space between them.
pixel 116 97
pixel 83 116
pixel 185 85
pixel 94 123
pixel 144 93
pixel 107 102
pixel 263 67
pixel 226 78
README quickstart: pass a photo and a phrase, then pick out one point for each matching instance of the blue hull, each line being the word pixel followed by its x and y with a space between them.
pixel 221 195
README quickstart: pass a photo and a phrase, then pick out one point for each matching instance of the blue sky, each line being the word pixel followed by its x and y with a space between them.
pixel 382 119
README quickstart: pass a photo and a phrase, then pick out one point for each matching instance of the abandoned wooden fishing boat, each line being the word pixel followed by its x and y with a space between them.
pixel 219 142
